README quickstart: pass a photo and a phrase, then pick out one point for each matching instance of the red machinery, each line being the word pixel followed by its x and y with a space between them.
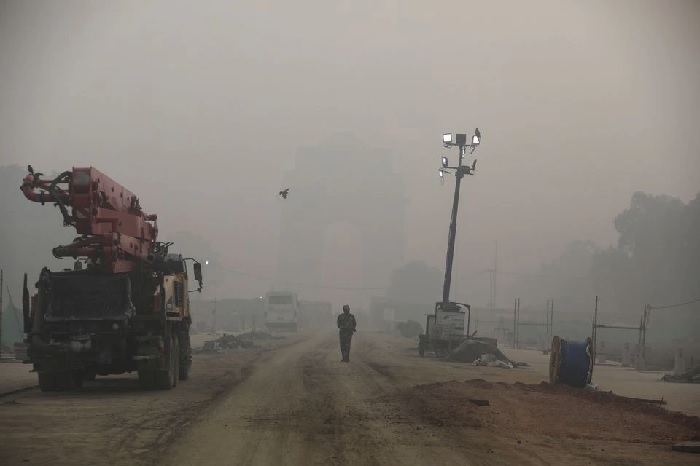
pixel 128 311
pixel 116 233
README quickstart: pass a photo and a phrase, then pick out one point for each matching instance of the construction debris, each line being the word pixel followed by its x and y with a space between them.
pixel 480 353
pixel 691 376
pixel 229 342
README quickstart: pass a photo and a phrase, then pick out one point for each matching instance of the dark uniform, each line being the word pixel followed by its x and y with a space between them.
pixel 347 325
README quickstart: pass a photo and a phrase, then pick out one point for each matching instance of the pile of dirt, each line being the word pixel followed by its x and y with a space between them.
pixel 547 411
pixel 471 350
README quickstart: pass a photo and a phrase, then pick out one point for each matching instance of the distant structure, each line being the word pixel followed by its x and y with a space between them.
pixel 342 180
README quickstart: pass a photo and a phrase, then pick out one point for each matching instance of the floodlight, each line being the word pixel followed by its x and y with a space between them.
pixel 476 139
pixel 447 138
pixel 206 262
pixel 441 173
pixel 444 162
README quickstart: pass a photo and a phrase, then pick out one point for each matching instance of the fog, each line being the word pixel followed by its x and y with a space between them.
pixel 202 108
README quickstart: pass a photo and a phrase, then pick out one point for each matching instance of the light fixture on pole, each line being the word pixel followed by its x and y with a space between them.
pixel 459 140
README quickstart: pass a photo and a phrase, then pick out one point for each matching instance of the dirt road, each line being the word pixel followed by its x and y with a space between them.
pixel 299 405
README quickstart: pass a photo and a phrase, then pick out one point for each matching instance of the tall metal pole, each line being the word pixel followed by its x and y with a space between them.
pixel 453 230
pixel 1 285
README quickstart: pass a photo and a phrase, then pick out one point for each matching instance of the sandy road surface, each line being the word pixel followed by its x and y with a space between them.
pixel 295 403
pixel 111 421
pixel 302 406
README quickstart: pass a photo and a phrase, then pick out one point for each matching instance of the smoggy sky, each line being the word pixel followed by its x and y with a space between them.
pixel 200 107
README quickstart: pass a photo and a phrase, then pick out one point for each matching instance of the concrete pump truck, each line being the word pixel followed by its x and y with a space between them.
pixel 124 305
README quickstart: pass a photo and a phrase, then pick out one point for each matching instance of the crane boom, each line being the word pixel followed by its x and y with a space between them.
pixel 116 234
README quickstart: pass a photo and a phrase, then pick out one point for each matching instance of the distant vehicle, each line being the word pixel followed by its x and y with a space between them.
pixel 282 311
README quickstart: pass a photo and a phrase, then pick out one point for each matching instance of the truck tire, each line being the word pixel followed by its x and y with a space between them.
pixel 147 379
pixel 166 378
pixel 47 382
pixel 58 381
pixel 185 357
pixel 77 377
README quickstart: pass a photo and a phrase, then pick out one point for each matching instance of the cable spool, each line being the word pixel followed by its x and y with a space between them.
pixel 571 362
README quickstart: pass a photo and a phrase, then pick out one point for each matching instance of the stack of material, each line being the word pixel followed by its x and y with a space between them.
pixel 571 362
pixel 471 351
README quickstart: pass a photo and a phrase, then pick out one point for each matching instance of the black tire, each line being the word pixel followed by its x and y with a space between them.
pixel 165 378
pixel 185 357
pixel 176 360
pixel 47 382
pixel 77 377
pixel 57 381
pixel 147 379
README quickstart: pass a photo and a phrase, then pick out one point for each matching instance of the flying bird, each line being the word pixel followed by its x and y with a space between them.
pixel 284 193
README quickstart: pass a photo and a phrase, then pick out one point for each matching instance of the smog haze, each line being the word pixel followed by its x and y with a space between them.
pixel 203 108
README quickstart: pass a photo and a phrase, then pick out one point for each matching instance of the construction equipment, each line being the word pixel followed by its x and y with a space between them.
pixel 123 307
pixel 445 329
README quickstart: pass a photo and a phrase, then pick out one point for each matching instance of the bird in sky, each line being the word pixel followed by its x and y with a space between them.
pixel 284 193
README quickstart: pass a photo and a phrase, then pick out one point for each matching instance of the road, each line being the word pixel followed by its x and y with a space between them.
pixel 294 403
pixel 303 406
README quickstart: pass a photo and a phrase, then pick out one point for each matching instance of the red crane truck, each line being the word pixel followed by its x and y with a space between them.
pixel 123 306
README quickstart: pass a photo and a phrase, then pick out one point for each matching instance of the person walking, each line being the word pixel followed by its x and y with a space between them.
pixel 347 326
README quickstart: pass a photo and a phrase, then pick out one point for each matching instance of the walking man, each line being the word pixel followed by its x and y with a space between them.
pixel 347 325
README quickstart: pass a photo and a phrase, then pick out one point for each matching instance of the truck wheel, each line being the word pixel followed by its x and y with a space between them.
pixel 47 382
pixel 185 358
pixel 147 379
pixel 166 378
pixel 77 377
pixel 176 360
pixel 56 381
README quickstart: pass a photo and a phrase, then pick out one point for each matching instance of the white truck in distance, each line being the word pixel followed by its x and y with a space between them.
pixel 281 311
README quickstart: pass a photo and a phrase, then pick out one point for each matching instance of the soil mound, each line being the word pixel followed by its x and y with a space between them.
pixel 471 350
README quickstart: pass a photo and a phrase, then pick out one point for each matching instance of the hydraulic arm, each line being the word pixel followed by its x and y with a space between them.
pixel 115 234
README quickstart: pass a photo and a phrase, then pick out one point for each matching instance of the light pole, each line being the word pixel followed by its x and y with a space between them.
pixel 458 140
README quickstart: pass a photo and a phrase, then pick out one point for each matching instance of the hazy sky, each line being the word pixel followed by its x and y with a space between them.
pixel 199 108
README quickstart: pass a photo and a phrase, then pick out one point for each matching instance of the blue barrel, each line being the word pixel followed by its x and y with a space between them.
pixel 572 362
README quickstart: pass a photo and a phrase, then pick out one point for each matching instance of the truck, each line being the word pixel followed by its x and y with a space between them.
pixel 444 329
pixel 124 305
pixel 281 311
